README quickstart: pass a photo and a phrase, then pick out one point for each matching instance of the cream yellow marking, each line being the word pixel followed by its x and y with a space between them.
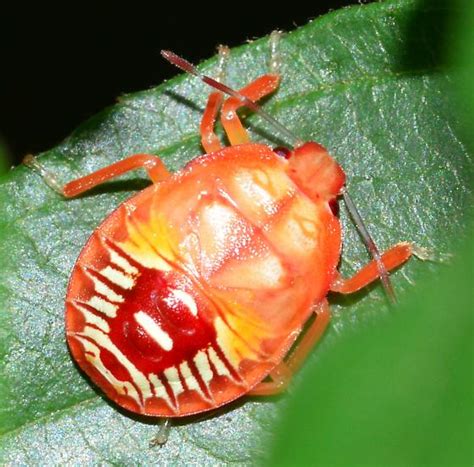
pixel 153 329
pixel 225 343
pixel 203 366
pixel 270 270
pixel 309 227
pixel 151 243
pixel 301 234
pixel 262 178
pixel 219 365
pixel 118 277
pixel 251 183
pixel 237 347
pixel 265 272
pixel 190 251
pixel 103 289
pixel 160 390
pixel 298 228
pixel 256 185
pixel 121 262
pixel 191 381
pixel 222 219
pixel 241 335
pixel 184 297
pixel 218 226
pixel 172 376
pixel 91 318
pixel 103 340
pixel 99 304
pixel 122 387
pixel 303 224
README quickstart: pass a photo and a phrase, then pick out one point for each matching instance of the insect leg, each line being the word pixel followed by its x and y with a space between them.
pixel 254 91
pixel 240 98
pixel 209 139
pixel 282 373
pixel 152 164
pixel 281 377
pixel 163 434
pixel 31 161
pixel 391 259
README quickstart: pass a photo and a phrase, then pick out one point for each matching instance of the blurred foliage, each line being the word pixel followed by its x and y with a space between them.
pixel 461 54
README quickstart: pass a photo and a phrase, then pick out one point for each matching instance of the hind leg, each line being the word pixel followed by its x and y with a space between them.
pixel 152 164
pixel 281 375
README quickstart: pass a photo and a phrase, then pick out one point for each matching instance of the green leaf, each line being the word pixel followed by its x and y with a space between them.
pixel 349 83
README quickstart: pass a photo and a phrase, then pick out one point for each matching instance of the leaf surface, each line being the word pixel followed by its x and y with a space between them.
pixel 351 83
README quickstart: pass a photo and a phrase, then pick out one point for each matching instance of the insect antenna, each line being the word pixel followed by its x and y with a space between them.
pixel 191 69
pixel 370 244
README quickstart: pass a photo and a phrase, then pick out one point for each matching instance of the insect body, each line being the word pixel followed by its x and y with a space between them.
pixel 193 291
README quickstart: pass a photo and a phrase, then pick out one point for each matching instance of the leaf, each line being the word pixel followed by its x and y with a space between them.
pixel 348 83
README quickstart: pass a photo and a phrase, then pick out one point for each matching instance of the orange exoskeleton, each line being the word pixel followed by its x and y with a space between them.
pixel 193 292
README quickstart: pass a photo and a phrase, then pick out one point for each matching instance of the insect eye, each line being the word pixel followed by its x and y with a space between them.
pixel 282 152
pixel 334 206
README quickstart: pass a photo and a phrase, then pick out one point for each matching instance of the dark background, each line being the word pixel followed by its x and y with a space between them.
pixel 60 67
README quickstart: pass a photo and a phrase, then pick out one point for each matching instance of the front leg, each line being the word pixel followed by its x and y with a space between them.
pixel 256 90
pixel 391 259
pixel 209 140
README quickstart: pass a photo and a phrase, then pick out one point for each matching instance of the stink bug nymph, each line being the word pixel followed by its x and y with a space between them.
pixel 192 292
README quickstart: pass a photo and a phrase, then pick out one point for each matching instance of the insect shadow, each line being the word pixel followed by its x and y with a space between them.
pixel 265 134
pixel 255 128
pixel 183 100
pixel 116 186
pixel 348 301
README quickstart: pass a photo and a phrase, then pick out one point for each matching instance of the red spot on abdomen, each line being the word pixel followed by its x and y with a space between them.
pixel 155 295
